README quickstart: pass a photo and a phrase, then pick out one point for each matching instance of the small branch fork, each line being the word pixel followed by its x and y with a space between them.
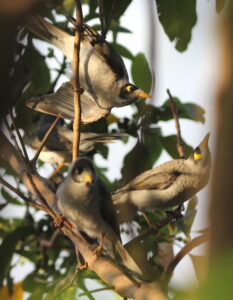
pixel 179 144
pixel 105 268
pixel 77 89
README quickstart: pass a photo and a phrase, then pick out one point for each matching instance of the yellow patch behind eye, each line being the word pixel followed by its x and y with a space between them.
pixel 129 88
pixel 197 156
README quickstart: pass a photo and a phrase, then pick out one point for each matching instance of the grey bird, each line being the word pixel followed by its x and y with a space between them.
pixel 85 201
pixel 58 146
pixel 103 75
pixel 165 186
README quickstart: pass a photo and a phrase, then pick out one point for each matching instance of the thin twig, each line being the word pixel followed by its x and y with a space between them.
pixel 17 192
pixel 179 144
pixel 95 291
pixel 45 139
pixel 77 89
pixel 180 255
pixel 10 131
pixel 155 229
pixel 50 243
pixel 102 17
pixel 19 136
pixel 109 19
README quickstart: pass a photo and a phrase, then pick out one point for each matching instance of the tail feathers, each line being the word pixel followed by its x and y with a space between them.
pixel 126 259
pixel 103 137
pixel 51 34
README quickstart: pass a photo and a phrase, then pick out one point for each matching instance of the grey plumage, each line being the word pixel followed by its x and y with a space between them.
pixel 102 75
pixel 58 146
pixel 165 186
pixel 84 200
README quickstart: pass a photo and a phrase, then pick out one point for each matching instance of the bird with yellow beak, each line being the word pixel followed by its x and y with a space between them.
pixel 102 73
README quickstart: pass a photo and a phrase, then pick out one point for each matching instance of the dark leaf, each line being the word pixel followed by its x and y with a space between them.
pixel 141 157
pixel 186 110
pixel 9 198
pixel 141 73
pixel 121 50
pixel 185 223
pixel 170 145
pixel 119 9
pixel 8 245
pixel 177 18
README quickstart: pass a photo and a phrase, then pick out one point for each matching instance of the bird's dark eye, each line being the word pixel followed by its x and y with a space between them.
pixel 130 88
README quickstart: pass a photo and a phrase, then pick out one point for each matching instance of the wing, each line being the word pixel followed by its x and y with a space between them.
pixel 107 210
pixel 151 181
pixel 61 104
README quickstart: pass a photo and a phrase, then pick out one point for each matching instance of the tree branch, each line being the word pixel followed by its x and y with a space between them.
pixel 77 89
pixel 179 144
pixel 105 268
pixel 33 161
pixel 167 274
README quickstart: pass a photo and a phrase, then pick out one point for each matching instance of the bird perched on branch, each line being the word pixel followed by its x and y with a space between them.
pixel 58 146
pixel 165 186
pixel 102 72
pixel 85 201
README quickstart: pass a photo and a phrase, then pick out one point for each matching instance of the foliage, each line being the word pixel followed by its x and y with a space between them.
pixel 54 275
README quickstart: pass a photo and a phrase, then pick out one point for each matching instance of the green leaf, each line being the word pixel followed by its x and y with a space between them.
pixel 142 156
pixel 9 198
pixel 8 245
pixel 177 17
pixel 220 5
pixel 119 9
pixel 141 73
pixel 199 264
pixel 170 145
pixel 121 50
pixel 185 223
pixel 187 110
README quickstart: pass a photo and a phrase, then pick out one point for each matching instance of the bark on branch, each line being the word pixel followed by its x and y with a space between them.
pixel 105 268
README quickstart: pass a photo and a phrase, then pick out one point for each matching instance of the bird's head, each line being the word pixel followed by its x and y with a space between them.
pixel 82 171
pixel 201 154
pixel 130 93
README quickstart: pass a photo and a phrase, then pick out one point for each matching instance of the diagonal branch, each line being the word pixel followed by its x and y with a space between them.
pixel 77 89
pixel 17 192
pixel 179 143
pixel 107 24
pixel 33 161
pixel 102 17
pixel 108 270
pixel 19 136
pixel 180 255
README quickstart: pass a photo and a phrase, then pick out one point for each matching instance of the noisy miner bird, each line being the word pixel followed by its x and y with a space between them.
pixel 58 146
pixel 85 201
pixel 102 72
pixel 165 186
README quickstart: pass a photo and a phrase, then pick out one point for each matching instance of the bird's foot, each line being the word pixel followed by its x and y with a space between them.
pixel 153 226
pixel 81 267
pixel 177 213
pixel 59 221
pixel 99 249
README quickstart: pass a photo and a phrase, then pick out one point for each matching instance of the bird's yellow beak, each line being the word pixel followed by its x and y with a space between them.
pixel 88 178
pixel 205 141
pixel 142 95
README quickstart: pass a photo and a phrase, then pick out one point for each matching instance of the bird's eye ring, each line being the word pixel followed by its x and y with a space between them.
pixel 197 156
pixel 129 88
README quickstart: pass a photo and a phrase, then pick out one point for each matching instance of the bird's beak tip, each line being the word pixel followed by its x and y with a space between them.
pixel 143 95
pixel 88 178
pixel 206 140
